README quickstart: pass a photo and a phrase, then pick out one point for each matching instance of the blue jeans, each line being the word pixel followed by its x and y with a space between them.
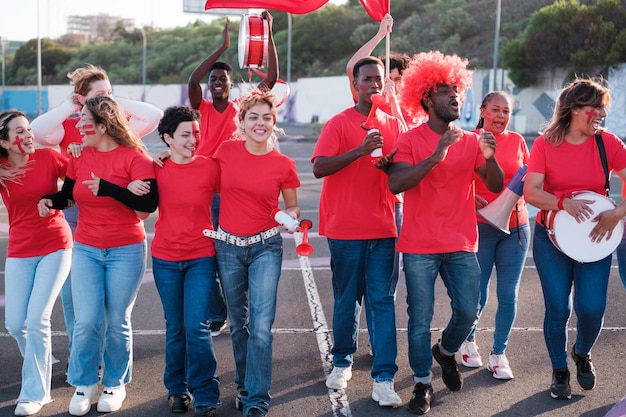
pixel 190 364
pixel 105 293
pixel 558 273
pixel 363 269
pixel 460 273
pixel 250 281
pixel 217 306
pixel 31 288
pixel 71 216
pixel 621 257
pixel 508 253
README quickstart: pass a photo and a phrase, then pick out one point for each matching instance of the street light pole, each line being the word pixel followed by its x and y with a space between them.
pixel 39 101
pixel 143 65
pixel 288 63
pixel 496 45
pixel 5 45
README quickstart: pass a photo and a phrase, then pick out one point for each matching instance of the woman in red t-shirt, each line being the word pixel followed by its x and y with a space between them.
pixel 38 253
pixel 110 250
pixel 58 127
pixel 566 158
pixel 507 251
pixel 248 244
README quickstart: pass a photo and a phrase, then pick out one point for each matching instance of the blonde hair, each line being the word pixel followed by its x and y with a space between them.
pixel 250 100
pixel 81 78
pixel 8 172
pixel 106 111
pixel 577 94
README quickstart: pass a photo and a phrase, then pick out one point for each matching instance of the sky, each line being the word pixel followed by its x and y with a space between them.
pixel 19 17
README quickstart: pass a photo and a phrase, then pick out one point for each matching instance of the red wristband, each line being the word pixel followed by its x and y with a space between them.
pixel 559 204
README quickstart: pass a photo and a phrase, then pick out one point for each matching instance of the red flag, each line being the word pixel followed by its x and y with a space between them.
pixel 377 9
pixel 289 6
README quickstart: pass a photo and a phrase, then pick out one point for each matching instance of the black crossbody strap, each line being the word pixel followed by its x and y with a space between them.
pixel 605 164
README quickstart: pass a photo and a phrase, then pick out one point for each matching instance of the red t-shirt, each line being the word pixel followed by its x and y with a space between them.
pixel 440 212
pixel 250 186
pixel 72 134
pixel 104 222
pixel 215 127
pixel 29 233
pixel 568 168
pixel 355 202
pixel 511 154
pixel 185 195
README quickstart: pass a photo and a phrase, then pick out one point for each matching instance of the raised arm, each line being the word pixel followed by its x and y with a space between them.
pixel 366 50
pixel 144 117
pixel 48 128
pixel 202 70
pixel 272 57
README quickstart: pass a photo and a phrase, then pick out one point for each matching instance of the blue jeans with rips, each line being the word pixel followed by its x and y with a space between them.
pixel 508 253
pixel 105 293
pixel 250 278
pixel 185 289
pixel 362 272
pixel 460 273
pixel 559 275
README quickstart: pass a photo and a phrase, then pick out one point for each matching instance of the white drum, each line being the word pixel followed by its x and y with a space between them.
pixel 253 41
pixel 572 238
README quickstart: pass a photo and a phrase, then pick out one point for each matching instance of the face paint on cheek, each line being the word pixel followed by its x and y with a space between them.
pixel 591 114
pixel 18 142
pixel 89 129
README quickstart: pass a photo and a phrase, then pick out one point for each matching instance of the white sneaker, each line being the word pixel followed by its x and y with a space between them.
pixel 384 394
pixel 469 355
pixel 499 365
pixel 111 399
pixel 27 408
pixel 339 377
pixel 81 401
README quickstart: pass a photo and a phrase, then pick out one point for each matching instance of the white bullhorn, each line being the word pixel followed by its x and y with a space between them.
pixel 498 212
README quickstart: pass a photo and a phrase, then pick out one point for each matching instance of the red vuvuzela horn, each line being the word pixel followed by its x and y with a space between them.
pixel 305 248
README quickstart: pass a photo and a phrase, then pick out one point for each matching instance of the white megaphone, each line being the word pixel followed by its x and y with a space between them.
pixel 498 212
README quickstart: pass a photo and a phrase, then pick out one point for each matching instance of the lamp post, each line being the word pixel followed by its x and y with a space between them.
pixel 5 45
pixel 496 45
pixel 288 63
pixel 143 65
pixel 39 101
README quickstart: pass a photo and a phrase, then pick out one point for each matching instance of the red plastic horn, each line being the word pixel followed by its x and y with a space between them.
pixel 377 101
pixel 305 248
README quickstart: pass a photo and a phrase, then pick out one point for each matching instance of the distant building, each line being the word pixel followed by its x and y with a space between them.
pixel 94 27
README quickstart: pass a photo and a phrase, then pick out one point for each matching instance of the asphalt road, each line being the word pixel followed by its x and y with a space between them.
pixel 302 343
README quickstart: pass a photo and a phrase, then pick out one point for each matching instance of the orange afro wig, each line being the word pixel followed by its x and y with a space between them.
pixel 427 70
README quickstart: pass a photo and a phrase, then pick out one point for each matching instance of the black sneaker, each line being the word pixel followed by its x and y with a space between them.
pixel 216 327
pixel 449 369
pixel 585 372
pixel 422 396
pixel 560 388
pixel 179 403
pixel 238 402
pixel 205 411
pixel 255 412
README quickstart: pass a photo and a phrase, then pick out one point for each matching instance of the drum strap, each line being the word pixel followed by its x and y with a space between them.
pixel 605 165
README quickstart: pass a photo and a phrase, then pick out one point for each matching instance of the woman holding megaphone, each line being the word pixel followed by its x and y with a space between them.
pixel 503 242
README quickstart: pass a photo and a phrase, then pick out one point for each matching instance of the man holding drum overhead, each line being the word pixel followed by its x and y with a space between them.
pixel 217 124
pixel 565 160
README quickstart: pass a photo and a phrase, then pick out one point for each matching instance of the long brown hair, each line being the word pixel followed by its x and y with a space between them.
pixel 577 94
pixel 106 111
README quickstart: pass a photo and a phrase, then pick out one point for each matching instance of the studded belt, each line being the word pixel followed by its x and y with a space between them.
pixel 220 234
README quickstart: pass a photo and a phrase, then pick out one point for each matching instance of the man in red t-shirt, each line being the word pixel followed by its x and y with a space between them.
pixel 217 124
pixel 435 165
pixel 357 217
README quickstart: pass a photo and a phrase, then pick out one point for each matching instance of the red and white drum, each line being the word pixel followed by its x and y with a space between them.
pixel 253 41
pixel 572 238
